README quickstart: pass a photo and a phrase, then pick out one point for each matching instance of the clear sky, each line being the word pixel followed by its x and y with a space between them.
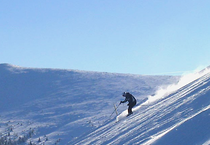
pixel 124 36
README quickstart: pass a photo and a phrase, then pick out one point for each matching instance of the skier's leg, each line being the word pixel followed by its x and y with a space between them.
pixel 130 110
pixel 131 106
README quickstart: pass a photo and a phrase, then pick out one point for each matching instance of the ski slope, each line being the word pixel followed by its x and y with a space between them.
pixel 176 115
pixel 53 106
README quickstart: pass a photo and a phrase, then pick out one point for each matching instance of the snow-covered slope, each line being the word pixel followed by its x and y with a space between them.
pixel 57 106
pixel 176 115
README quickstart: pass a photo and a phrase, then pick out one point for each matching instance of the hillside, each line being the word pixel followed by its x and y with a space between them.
pixel 177 115
pixel 58 106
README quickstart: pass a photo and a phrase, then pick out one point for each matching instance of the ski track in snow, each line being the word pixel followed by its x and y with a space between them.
pixel 152 120
pixel 159 135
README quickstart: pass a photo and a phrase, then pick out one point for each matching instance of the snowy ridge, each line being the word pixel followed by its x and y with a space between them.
pixel 179 117
pixel 53 106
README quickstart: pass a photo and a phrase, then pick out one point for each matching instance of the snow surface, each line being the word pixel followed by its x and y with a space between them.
pixel 176 115
pixel 51 106
pixel 54 106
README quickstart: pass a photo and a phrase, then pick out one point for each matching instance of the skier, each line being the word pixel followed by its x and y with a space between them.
pixel 132 101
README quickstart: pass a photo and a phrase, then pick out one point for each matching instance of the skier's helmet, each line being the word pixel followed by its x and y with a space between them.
pixel 124 93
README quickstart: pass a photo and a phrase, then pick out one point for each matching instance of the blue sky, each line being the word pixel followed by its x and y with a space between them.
pixel 138 37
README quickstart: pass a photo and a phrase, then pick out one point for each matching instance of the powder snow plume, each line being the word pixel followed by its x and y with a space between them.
pixel 184 80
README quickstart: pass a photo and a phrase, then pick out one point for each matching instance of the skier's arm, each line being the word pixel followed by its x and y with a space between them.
pixel 124 101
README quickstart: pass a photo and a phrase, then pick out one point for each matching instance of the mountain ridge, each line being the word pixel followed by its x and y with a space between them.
pixel 64 104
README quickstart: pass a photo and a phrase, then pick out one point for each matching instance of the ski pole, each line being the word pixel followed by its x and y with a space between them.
pixel 114 110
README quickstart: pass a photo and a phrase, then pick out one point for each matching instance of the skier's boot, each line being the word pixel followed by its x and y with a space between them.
pixel 129 114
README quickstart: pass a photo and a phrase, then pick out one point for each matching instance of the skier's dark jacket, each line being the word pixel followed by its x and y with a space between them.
pixel 130 98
